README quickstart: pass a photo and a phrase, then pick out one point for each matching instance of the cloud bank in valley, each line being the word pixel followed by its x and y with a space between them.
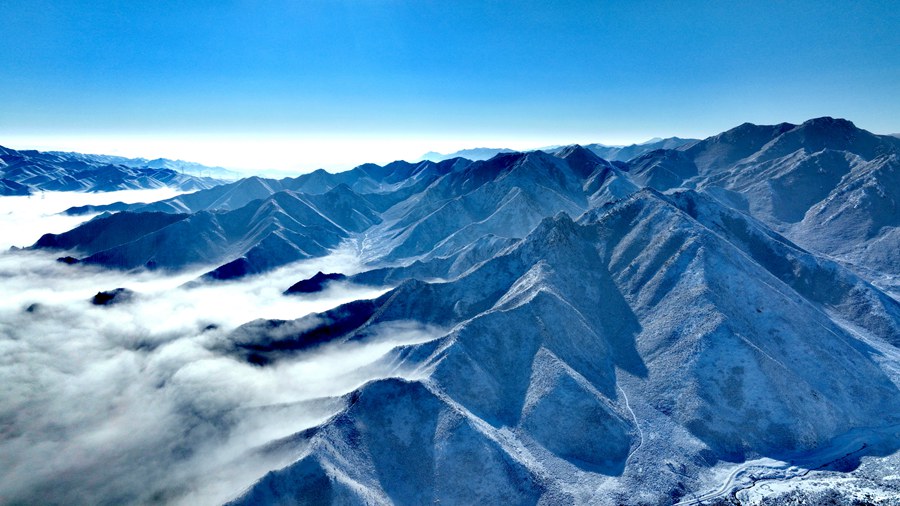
pixel 23 220
pixel 130 402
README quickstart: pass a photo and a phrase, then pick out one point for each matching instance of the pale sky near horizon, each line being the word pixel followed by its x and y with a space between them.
pixel 297 85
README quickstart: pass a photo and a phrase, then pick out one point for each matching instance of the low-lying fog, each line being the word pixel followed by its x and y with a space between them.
pixel 127 403
pixel 23 220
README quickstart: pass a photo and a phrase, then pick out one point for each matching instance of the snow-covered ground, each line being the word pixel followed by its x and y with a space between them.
pixel 755 481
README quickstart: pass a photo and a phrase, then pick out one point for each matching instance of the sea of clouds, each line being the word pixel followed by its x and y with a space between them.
pixel 131 403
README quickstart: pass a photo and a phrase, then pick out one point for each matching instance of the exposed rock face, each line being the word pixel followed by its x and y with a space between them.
pixel 116 296
pixel 317 283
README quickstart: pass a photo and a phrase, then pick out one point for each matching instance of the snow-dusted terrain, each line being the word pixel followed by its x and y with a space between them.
pixel 710 321
pixel 27 172
pixel 826 184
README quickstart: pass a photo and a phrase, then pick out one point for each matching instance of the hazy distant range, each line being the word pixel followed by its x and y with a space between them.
pixel 611 153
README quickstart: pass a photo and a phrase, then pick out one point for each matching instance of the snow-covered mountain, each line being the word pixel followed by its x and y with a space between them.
pixel 385 185
pixel 605 361
pixel 826 184
pixel 284 227
pixel 422 210
pixel 25 172
pixel 610 332
pixel 192 168
pixel 798 179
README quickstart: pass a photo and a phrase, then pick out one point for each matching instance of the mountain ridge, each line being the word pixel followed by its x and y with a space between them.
pixel 28 171
pixel 612 153
pixel 786 175
pixel 182 166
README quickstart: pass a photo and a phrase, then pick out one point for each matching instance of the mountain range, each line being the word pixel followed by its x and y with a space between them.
pixel 470 154
pixel 28 171
pixel 826 184
pixel 625 153
pixel 611 153
pixel 614 331
pixel 794 178
pixel 191 168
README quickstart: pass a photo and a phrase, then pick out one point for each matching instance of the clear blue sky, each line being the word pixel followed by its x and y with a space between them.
pixel 493 71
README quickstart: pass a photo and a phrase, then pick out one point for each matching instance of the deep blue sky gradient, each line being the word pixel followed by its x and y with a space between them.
pixel 594 70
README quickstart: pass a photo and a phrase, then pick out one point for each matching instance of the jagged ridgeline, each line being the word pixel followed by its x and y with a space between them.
pixel 612 330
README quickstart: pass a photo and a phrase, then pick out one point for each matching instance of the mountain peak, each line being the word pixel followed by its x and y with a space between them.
pixel 829 122
pixel 577 151
pixel 752 128
pixel 581 159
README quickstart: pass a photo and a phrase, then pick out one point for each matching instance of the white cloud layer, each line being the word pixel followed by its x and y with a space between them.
pixel 129 403
pixel 23 220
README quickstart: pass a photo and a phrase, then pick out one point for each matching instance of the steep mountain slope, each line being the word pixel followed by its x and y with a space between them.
pixel 9 188
pixel 598 342
pixel 747 146
pixel 106 232
pixel 607 361
pixel 505 196
pixel 825 184
pixel 601 183
pixel 859 219
pixel 802 180
pixel 24 172
pixel 611 153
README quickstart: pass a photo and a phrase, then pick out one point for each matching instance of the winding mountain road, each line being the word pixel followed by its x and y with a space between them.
pixel 636 424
